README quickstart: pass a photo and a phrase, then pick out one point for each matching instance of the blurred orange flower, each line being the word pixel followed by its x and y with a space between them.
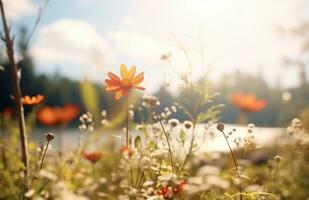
pixel 48 116
pixel 247 102
pixel 69 112
pixel 56 115
pixel 93 157
pixel 126 150
pixel 127 82
pixel 27 100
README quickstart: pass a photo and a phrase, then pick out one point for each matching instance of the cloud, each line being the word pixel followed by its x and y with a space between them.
pixel 15 9
pixel 137 45
pixel 71 41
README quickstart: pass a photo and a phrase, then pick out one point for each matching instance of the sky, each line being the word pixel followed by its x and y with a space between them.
pixel 83 39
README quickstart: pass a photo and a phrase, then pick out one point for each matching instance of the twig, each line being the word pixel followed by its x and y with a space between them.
pixel 9 42
pixel 37 21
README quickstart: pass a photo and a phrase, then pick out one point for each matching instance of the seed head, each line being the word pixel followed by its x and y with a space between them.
pixel 49 137
pixel 220 126
pixel 188 124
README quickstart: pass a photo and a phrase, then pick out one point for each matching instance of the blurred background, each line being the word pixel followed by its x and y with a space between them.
pixel 251 51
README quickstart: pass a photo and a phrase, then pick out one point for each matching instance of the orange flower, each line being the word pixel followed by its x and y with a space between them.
pixel 127 82
pixel 126 150
pixel 56 115
pixel 69 112
pixel 48 116
pixel 247 102
pixel 27 100
pixel 93 157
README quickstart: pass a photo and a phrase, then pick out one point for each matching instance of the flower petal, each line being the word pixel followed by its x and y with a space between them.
pixel 111 82
pixel 138 79
pixel 112 88
pixel 139 87
pixel 131 73
pixel 119 94
pixel 113 76
pixel 123 71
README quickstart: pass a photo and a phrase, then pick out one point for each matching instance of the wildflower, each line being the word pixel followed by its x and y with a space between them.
pixel 179 187
pixel 247 102
pixel 173 122
pixel 104 122
pixel 48 116
pixel 69 112
pixel 150 101
pixel 104 113
pixel 278 159
pixel 166 192
pixel 86 122
pixel 174 109
pixel 156 127
pixel 27 100
pixel 126 150
pixel 187 124
pixel 131 114
pixel 56 115
pixel 127 82
pixel 93 157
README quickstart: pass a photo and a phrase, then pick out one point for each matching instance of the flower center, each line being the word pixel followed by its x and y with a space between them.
pixel 125 83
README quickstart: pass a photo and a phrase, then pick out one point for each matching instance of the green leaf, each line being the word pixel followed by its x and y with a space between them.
pixel 137 141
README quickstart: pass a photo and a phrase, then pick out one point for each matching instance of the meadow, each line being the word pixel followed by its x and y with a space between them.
pixel 116 141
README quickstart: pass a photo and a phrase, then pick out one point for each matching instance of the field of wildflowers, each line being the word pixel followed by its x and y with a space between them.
pixel 147 152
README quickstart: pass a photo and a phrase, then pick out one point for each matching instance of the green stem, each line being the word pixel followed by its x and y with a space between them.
pixel 234 160
pixel 127 123
pixel 43 155
pixel 168 143
pixel 190 149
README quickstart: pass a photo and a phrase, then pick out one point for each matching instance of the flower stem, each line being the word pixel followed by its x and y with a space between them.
pixel 190 149
pixel 234 160
pixel 127 136
pixel 43 155
pixel 168 143
pixel 127 123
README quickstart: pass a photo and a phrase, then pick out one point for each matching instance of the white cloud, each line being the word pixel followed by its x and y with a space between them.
pixel 15 9
pixel 70 41
pixel 137 45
